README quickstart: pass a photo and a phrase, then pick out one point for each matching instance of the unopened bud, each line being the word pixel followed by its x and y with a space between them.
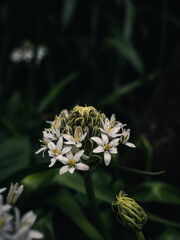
pixel 14 193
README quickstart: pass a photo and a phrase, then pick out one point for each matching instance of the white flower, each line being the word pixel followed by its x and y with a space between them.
pixel 125 137
pixel 47 137
pixel 16 55
pixel 57 151
pixel 41 53
pixel 14 193
pixel 5 219
pixel 23 225
pixel 72 162
pixel 112 132
pixel 77 139
pixel 105 146
pixel 115 123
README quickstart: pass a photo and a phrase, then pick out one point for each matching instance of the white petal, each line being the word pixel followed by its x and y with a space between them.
pixel 107 158
pixel 82 166
pixel 35 234
pixel 64 169
pixel 69 155
pixel 98 149
pixel 105 138
pixel 53 160
pixel 78 155
pixel 70 142
pixel 83 136
pixel 114 142
pixel 102 130
pixel 63 159
pixel 66 149
pixel 68 137
pixel 51 145
pixel 60 143
pixel 85 157
pixel 2 189
pixel 78 145
pixel 130 144
pixel 113 150
pixel 40 150
pixel 98 140
pixel 71 169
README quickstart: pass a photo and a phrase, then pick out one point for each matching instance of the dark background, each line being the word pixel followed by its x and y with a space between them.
pixel 119 56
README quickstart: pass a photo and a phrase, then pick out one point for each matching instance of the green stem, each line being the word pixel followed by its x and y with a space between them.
pixel 93 203
pixel 139 235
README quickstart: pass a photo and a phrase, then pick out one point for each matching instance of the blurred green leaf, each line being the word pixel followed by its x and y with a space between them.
pixel 69 206
pixel 155 191
pixel 136 171
pixel 128 20
pixel 44 225
pixel 75 181
pixel 163 221
pixel 68 12
pixel 14 156
pixel 126 50
pixel 56 90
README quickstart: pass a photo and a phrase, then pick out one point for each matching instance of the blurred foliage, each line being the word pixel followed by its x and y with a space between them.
pixel 108 54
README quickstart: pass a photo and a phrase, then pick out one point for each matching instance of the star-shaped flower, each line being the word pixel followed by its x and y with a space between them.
pixel 77 139
pixel 125 137
pixel 72 162
pixel 57 151
pixel 111 131
pixel 105 146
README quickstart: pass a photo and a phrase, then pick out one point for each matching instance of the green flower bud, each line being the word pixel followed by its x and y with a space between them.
pixel 130 213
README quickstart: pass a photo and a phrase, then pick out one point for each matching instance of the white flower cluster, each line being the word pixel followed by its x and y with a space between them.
pixel 27 52
pixel 12 226
pixel 75 137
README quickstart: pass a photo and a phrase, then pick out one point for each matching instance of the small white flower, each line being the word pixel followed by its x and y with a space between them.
pixel 72 162
pixel 125 137
pixel 47 137
pixel 23 225
pixel 115 123
pixel 41 53
pixel 5 219
pixel 105 146
pixel 112 132
pixel 57 151
pixel 16 55
pixel 14 193
pixel 77 139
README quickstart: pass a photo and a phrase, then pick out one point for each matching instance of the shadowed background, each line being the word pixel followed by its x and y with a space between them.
pixel 120 56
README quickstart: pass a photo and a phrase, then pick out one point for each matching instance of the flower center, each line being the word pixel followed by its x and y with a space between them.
pixel 56 151
pixel 2 221
pixel 72 163
pixel 106 147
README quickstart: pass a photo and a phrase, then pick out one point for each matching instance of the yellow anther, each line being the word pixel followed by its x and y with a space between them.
pixel 72 163
pixel 108 130
pixel 56 151
pixel 106 147
pixel 57 121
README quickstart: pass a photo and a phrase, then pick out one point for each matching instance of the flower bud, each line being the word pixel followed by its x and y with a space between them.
pixel 14 193
pixel 130 213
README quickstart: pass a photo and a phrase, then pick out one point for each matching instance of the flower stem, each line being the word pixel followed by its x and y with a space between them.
pixel 93 203
pixel 139 235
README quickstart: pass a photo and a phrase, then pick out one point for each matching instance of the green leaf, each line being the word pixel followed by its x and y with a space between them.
pixel 69 206
pixel 126 50
pixel 75 181
pixel 56 90
pixel 44 225
pixel 128 20
pixel 155 191
pixel 163 221
pixel 14 156
pixel 136 171
pixel 68 12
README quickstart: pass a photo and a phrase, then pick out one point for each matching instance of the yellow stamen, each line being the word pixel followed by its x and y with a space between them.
pixel 57 121
pixel 76 137
pixel 106 147
pixel 72 163
pixel 108 130
pixel 56 151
